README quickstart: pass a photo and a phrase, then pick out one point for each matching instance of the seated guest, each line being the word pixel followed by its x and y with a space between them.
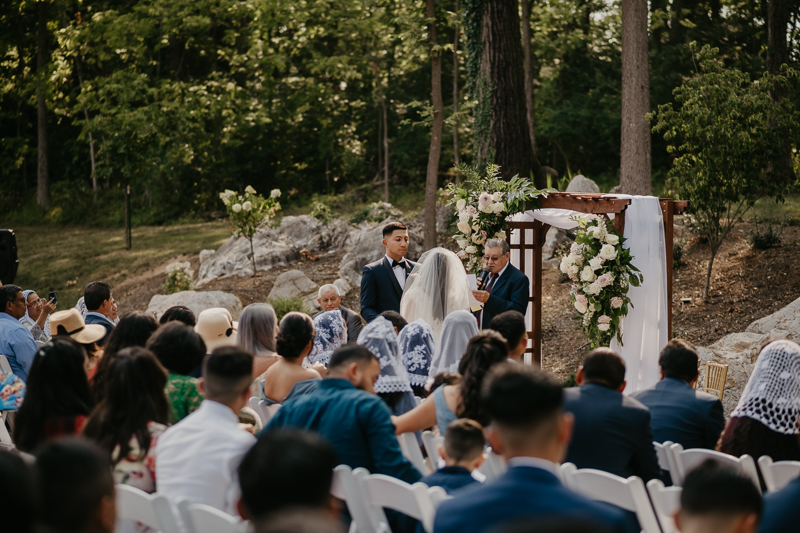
pixel 716 499
pixel 287 469
pixel 678 413
pixel 58 400
pixel 16 494
pixel 330 299
pixel 131 416
pixel 416 351
pixel 179 350
pixel 765 421
pixel 197 458
pixel 16 342
pixel 37 315
pixel 217 328
pixel 258 326
pixel 299 521
pixel 345 410
pixel 100 307
pixel 330 333
pixel 397 320
pixel 511 325
pixel 133 330
pixel 462 453
pixel 380 337
pixel 287 378
pixel 612 431
pixel 463 399
pixel 458 328
pixel 179 313
pixel 780 508
pixel 75 489
pixel 531 431
pixel 70 324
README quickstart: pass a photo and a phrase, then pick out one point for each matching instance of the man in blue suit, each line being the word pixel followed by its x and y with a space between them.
pixel 383 281
pixel 612 431
pixel 780 509
pixel 100 307
pixel 678 413
pixel 506 288
pixel 530 430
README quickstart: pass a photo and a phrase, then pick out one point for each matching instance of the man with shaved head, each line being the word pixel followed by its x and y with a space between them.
pixel 330 299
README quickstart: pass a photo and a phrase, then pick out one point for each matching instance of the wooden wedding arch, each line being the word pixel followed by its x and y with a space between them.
pixel 532 237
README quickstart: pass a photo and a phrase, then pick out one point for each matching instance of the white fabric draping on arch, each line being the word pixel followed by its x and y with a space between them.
pixel 646 326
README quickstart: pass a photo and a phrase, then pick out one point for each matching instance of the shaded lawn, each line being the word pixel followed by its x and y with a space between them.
pixel 51 256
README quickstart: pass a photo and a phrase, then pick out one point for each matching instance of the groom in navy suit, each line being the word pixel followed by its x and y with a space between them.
pixel 505 288
pixel 383 281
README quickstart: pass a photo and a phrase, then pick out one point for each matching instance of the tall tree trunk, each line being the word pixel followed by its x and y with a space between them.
pixel 778 15
pixel 43 181
pixel 526 49
pixel 457 31
pixel 385 150
pixel 79 71
pixel 635 150
pixel 432 181
pixel 501 124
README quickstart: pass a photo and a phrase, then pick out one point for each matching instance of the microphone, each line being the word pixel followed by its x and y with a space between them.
pixel 485 274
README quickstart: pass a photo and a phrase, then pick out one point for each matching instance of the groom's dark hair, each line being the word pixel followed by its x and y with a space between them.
pixel 391 227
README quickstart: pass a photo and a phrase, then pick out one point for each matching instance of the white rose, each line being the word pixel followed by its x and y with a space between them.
pixel 462 243
pixel 498 208
pixel 593 289
pixel 608 252
pixel 237 208
pixel 463 217
pixel 486 208
pixel 500 235
pixel 577 258
pixel 471 250
pixel 596 232
pixel 226 201
pixel 249 190
pixel 565 264
pixel 497 196
pixel 463 227
pixel 461 204
pixel 588 274
pixel 612 239
pixel 247 206
pixel 580 306
pixel 572 270
pixel 276 193
pixel 596 262
pixel 603 327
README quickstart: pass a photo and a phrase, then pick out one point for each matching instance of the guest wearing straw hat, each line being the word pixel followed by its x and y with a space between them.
pixel 70 323
pixel 217 328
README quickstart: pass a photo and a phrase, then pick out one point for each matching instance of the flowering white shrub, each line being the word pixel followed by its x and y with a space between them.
pixel 250 211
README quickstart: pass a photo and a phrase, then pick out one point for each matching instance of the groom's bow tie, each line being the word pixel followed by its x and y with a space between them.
pixel 401 263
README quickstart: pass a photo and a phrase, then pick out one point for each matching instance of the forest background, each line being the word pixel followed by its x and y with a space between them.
pixel 180 100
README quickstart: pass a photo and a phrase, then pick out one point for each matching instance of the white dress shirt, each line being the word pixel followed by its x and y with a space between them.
pixel 399 272
pixel 197 458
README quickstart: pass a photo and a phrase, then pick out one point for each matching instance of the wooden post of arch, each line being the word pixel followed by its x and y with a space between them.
pixel 532 237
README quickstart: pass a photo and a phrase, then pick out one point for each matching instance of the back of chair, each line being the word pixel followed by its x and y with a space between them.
pixel 5 366
pixel 345 487
pixel 664 455
pixel 390 493
pixel 253 402
pixel 152 510
pixel 432 443
pixel 628 494
pixel 199 518
pixel 687 460
pixel 777 475
pixel 411 450
pixel 493 467
pixel 716 374
pixel 666 500
pixel 437 496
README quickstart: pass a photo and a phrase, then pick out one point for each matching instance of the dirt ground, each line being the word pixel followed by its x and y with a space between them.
pixel 746 284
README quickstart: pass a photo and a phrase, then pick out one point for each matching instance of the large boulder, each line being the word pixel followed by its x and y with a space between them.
pixel 196 301
pixel 787 319
pixel 364 245
pixel 554 238
pixel 308 232
pixel 294 283
pixel 581 183
pixel 233 257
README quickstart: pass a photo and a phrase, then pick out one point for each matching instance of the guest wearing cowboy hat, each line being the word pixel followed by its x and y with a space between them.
pixel 71 324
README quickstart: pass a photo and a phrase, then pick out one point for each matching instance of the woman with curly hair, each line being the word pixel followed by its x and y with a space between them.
pixel 462 400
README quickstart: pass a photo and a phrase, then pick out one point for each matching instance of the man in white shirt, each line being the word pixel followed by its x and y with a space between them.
pixel 198 457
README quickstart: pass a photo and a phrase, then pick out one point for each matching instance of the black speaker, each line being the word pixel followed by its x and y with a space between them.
pixel 8 256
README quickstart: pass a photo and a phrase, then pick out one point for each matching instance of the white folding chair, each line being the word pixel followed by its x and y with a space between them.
pixel 432 443
pixel 437 496
pixel 346 488
pixel 777 474
pixel 664 454
pixel 411 450
pixel 153 510
pixel 687 460
pixel 387 492
pixel 199 518
pixel 5 436
pixel 666 500
pixel 493 467
pixel 628 494
pixel 254 405
pixel 564 471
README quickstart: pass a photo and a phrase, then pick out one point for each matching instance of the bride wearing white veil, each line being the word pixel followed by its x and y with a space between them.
pixel 435 288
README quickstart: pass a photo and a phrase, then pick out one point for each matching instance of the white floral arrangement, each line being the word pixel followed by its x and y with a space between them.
pixel 249 211
pixel 601 271
pixel 482 205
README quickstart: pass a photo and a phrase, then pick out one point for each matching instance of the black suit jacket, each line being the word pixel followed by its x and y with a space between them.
pixel 612 432
pixel 510 292
pixel 679 413
pixel 780 509
pixel 380 290
pixel 353 320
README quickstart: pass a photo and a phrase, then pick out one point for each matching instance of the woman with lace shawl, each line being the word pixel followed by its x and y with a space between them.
pixel 416 351
pixel 330 333
pixel 393 384
pixel 765 421
pixel 37 316
pixel 436 287
pixel 459 327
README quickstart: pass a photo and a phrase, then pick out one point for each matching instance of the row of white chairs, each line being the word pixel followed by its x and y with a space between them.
pixel 491 469
pixel 265 412
pixel 679 462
